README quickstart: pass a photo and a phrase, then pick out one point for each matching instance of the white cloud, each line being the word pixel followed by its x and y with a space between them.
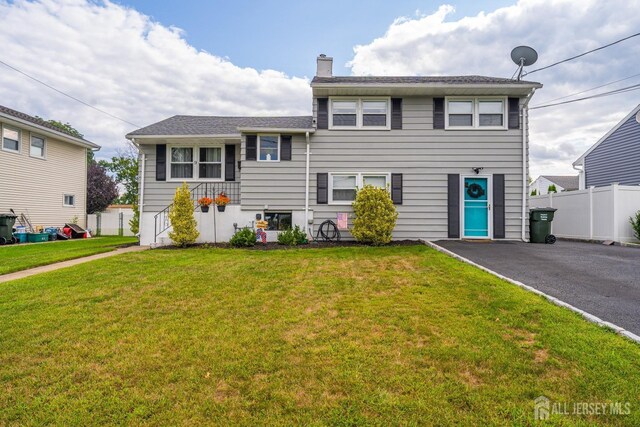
pixel 437 44
pixel 125 63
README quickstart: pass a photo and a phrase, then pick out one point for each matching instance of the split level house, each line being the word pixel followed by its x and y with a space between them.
pixel 451 150
pixel 561 182
pixel 43 170
pixel 614 158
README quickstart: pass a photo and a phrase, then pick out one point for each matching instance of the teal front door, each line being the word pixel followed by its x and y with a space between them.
pixel 476 207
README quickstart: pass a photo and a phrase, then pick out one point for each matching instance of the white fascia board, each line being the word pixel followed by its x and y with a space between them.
pixel 277 130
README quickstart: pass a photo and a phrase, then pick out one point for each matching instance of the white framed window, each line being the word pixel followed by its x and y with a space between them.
pixel 69 200
pixel 191 163
pixel 10 139
pixel 344 185
pixel 37 146
pixel 268 148
pixel 360 113
pixel 475 113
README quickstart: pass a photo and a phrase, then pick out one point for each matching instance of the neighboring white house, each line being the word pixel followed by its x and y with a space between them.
pixel 43 170
pixel 562 183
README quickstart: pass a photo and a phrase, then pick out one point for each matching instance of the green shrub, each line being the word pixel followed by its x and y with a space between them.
pixel 635 224
pixel 183 222
pixel 375 216
pixel 292 237
pixel 134 222
pixel 243 238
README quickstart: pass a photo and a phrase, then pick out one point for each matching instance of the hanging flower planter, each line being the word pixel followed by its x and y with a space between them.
pixel 204 203
pixel 221 201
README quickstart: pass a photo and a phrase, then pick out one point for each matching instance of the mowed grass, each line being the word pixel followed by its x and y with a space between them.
pixel 23 256
pixel 344 336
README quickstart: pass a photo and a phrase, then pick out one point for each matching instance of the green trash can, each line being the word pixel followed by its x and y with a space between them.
pixel 6 228
pixel 540 225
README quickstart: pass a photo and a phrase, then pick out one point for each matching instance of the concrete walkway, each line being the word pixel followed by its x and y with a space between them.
pixel 64 264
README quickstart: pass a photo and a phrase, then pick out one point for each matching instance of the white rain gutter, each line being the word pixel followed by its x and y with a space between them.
pixel 525 144
pixel 306 185
pixel 141 201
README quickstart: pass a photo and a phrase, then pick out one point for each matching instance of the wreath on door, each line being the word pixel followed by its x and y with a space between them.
pixel 475 191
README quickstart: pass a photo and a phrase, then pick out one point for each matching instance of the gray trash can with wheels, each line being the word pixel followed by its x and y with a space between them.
pixel 6 228
pixel 540 225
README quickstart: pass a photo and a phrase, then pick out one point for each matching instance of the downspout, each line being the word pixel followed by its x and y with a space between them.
pixel 141 195
pixel 306 185
pixel 525 145
pixel 582 185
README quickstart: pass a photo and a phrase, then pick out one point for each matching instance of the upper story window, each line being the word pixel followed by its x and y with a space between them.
pixel 343 186
pixel 36 148
pixel 268 148
pixel 10 139
pixel 183 162
pixel 473 113
pixel 359 113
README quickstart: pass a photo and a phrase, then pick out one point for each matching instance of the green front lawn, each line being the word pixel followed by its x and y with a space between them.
pixel 397 335
pixel 23 256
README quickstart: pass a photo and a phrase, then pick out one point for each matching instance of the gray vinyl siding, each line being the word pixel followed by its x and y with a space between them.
pixel 617 158
pixel 278 185
pixel 424 156
pixel 159 194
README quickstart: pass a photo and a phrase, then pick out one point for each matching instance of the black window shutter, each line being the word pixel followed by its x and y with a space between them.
pixel 322 196
pixel 396 113
pixel 285 147
pixel 251 149
pixel 453 206
pixel 161 162
pixel 498 206
pixel 514 113
pixel 438 113
pixel 396 188
pixel 229 162
pixel 323 113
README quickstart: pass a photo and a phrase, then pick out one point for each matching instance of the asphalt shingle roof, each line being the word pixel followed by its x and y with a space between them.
pixel 37 121
pixel 568 182
pixel 220 125
pixel 453 80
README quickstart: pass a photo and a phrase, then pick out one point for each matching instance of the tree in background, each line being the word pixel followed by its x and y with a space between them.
pixel 534 192
pixel 182 220
pixel 124 168
pixel 552 189
pixel 101 189
pixel 67 128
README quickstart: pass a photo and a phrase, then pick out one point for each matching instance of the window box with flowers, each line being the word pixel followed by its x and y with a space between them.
pixel 204 203
pixel 221 201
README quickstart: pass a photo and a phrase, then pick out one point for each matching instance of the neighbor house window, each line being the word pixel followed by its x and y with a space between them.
pixel 210 162
pixel 476 113
pixel 360 113
pixel 10 139
pixel 69 200
pixel 343 186
pixel 269 148
pixel 278 220
pixel 37 146
pixel 196 163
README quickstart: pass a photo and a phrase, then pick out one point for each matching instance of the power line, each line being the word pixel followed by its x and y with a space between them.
pixel 593 88
pixel 599 95
pixel 67 95
pixel 583 54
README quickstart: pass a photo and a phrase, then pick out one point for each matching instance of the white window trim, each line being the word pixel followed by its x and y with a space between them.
pixel 44 148
pixel 8 150
pixel 196 161
pixel 475 115
pixel 258 147
pixel 359 183
pixel 359 112
pixel 64 201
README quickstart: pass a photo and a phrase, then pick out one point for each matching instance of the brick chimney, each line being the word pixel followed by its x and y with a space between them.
pixel 325 66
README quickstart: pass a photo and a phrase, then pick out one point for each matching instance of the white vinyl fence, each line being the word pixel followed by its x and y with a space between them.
pixel 598 213
pixel 110 224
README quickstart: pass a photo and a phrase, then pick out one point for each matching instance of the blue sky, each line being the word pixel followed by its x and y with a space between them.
pixel 286 36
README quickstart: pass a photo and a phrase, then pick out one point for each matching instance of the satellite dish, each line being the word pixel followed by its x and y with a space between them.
pixel 523 56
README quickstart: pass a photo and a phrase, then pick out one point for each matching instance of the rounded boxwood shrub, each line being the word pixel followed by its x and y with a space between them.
pixel 375 216
pixel 243 238
pixel 292 237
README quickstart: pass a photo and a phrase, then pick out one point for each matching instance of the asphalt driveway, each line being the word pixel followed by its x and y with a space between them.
pixel 601 280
